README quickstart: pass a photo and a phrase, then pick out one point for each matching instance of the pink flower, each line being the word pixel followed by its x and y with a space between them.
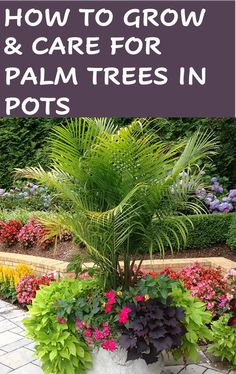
pixel 61 320
pixel 139 298
pixel 109 345
pixel 111 296
pixel 79 325
pixel 124 315
pixel 101 334
pixel 88 333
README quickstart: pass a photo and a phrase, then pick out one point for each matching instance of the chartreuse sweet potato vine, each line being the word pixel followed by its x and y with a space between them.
pixel 57 345
pixel 124 188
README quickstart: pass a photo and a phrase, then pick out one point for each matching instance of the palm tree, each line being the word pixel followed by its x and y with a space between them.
pixel 124 187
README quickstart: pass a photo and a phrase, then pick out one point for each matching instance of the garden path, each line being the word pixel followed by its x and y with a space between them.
pixel 17 352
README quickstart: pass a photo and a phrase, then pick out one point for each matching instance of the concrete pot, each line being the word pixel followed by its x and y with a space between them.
pixel 105 362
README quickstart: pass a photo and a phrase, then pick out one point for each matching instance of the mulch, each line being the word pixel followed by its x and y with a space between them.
pixel 66 250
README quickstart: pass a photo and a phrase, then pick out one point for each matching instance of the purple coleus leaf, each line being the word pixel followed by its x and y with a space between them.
pixel 127 341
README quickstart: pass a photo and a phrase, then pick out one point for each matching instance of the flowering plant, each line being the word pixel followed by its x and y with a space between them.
pixel 209 285
pixel 9 232
pixel 9 278
pixel 28 285
pixel 144 320
pixel 216 200
pixel 34 234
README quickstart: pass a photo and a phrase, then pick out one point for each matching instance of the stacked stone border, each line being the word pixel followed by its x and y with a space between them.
pixel 42 265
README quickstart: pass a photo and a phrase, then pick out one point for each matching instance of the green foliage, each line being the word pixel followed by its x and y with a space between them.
pixel 31 203
pixel 119 187
pixel 22 215
pixel 231 237
pixel 57 345
pixel 207 230
pixel 195 321
pixel 22 142
pixel 8 291
pixel 223 163
pixel 224 340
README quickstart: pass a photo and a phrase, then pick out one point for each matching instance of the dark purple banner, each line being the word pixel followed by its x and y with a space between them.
pixel 117 58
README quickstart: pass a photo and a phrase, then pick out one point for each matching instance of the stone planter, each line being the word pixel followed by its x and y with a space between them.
pixel 105 362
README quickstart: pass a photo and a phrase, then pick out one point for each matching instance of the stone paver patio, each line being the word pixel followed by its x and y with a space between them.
pixel 17 352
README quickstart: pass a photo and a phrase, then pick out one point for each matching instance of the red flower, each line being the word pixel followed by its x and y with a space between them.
pixel 153 274
pixel 233 304
pixel 108 308
pixel 139 298
pixel 124 315
pixel 232 321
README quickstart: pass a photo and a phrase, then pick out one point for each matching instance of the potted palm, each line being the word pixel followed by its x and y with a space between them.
pixel 126 191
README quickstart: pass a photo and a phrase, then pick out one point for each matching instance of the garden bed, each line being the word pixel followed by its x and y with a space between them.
pixel 65 251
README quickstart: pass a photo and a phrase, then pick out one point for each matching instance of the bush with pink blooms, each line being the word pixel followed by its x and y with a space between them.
pixel 28 286
pixel 210 285
pixel 34 234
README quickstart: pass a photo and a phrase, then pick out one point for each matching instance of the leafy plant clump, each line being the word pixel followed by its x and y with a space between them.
pixel 10 277
pixel 155 315
pixel 210 285
pixel 28 286
pixel 153 328
pixel 224 339
pixel 231 239
pixel 9 232
pixel 57 344
pixel 122 184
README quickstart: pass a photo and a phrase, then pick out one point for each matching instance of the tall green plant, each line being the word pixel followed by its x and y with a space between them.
pixel 124 186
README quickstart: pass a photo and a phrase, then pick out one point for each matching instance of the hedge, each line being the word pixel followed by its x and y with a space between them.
pixel 207 230
pixel 231 238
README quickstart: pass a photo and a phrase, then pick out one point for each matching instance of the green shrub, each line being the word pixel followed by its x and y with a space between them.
pixel 231 237
pixel 31 203
pixel 207 230
pixel 57 344
pixel 22 215
pixel 224 340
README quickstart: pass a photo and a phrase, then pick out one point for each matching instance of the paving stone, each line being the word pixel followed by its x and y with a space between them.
pixel 18 344
pixel 15 313
pixel 8 337
pixel 2 352
pixel 193 369
pixel 173 369
pixel 18 358
pixel 212 371
pixel 28 369
pixel 6 325
pixel 37 362
pixel 18 330
pixel 6 309
pixel 30 346
pixel 4 369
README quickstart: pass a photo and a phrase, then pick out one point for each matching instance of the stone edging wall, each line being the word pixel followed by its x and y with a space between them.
pixel 42 265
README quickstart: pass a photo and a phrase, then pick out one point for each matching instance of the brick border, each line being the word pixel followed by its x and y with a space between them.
pixel 42 265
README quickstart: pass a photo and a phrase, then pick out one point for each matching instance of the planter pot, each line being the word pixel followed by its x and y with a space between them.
pixel 105 362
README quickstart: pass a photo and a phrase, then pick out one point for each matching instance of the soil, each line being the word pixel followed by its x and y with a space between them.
pixel 66 250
